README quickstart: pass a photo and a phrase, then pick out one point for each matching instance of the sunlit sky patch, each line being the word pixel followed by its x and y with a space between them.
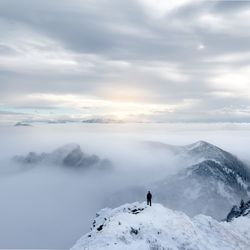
pixel 133 60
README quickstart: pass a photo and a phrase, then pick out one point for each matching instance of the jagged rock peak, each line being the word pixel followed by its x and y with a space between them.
pixel 69 155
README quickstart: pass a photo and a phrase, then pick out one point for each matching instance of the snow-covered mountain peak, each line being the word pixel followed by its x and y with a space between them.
pixel 209 159
pixel 205 150
pixel 207 179
pixel 199 144
pixel 194 152
pixel 137 226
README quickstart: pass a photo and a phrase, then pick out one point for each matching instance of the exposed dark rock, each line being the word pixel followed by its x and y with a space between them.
pixel 134 231
pixel 100 228
pixel 242 210
pixel 136 210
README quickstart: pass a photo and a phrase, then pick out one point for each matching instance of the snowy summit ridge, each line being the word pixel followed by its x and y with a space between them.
pixel 137 227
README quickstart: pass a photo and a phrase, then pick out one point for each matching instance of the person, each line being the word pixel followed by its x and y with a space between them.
pixel 149 199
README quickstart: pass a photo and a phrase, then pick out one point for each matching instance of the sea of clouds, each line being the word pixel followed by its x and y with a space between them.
pixel 51 207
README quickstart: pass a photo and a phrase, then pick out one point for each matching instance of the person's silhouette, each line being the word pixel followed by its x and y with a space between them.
pixel 149 199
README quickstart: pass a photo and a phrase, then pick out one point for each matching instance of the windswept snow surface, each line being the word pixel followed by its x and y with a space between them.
pixel 138 227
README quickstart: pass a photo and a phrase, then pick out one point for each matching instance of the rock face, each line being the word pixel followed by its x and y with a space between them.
pixel 241 211
pixel 70 156
pixel 136 226
pixel 210 182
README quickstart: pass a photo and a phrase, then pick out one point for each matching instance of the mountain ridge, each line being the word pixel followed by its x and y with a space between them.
pixel 69 156
pixel 209 180
pixel 137 226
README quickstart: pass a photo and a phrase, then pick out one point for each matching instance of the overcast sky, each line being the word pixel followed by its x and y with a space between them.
pixel 137 60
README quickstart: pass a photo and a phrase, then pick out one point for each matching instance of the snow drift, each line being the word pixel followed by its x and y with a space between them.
pixel 136 226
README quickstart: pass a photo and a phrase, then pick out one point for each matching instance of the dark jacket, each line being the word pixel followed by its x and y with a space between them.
pixel 149 196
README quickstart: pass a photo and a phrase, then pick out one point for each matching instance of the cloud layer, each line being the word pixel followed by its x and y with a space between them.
pixel 136 60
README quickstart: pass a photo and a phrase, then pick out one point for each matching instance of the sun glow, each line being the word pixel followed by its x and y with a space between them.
pixel 116 108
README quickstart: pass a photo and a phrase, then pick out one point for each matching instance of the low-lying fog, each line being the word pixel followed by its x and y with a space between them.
pixel 51 206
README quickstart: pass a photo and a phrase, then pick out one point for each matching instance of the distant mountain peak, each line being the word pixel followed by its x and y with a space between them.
pixel 22 124
pixel 207 178
pixel 69 155
pixel 202 145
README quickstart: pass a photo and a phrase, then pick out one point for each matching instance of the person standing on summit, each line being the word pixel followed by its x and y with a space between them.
pixel 149 199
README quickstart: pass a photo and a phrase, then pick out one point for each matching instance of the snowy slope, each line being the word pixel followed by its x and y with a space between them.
pixel 227 167
pixel 210 182
pixel 138 227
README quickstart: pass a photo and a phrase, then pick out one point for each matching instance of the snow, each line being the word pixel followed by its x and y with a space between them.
pixel 241 225
pixel 241 182
pixel 197 144
pixel 137 227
